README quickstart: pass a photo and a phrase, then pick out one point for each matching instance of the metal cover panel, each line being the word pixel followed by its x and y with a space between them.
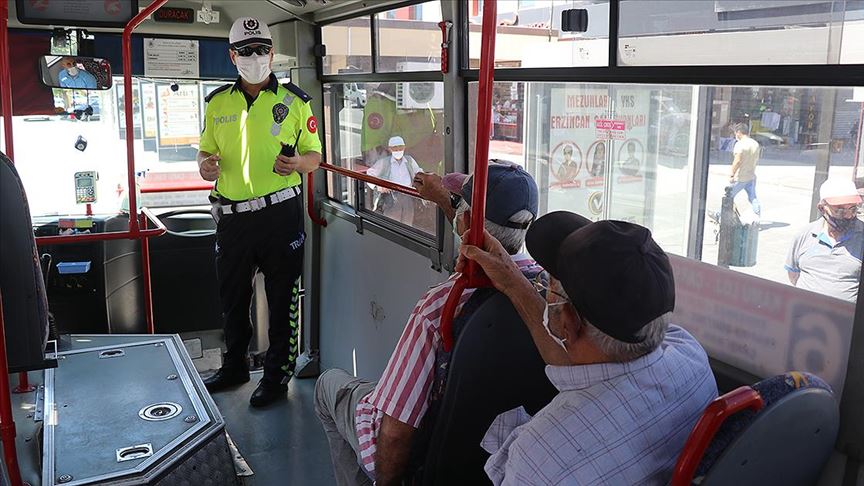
pixel 96 396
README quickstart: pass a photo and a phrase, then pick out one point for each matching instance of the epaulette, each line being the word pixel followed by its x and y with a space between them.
pixel 217 91
pixel 298 92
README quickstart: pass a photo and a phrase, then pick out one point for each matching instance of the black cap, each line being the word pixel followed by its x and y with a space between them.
pixel 614 273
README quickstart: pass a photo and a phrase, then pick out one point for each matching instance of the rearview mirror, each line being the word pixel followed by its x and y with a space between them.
pixel 75 72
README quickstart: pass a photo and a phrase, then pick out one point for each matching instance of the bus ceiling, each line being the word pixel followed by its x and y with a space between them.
pixel 198 18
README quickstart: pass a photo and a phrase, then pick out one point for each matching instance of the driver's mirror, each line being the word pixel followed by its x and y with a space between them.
pixel 75 72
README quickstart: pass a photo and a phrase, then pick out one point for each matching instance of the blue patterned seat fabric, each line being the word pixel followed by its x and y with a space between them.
pixel 771 390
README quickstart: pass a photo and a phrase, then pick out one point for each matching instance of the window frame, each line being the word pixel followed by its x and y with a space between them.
pixel 431 245
pixel 812 75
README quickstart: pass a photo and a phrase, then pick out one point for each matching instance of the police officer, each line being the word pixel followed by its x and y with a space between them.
pixel 257 205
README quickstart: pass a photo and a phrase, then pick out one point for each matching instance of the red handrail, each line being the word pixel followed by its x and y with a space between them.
pixel 159 230
pixel 370 179
pixel 127 100
pixel 7 423
pixel 177 186
pixel 703 433
pixel 310 201
pixel 473 277
pixel 6 79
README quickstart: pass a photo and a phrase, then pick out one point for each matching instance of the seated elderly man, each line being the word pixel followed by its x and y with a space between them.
pixel 631 387
pixel 370 426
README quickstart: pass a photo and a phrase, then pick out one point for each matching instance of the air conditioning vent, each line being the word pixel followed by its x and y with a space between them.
pixel 420 94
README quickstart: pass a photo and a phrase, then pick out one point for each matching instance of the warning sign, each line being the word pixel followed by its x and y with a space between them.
pixel 609 129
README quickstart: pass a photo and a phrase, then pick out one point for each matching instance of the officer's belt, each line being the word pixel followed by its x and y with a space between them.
pixel 259 203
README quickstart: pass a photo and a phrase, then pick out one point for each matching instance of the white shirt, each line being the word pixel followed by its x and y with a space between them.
pixel 399 172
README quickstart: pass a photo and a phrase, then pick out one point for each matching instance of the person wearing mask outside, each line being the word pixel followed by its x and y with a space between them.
pixel 826 256
pixel 399 168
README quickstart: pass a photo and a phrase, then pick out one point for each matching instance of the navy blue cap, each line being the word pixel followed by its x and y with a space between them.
pixel 509 190
pixel 615 274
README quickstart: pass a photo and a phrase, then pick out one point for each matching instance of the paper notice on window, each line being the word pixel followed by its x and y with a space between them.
pixel 171 58
pixel 179 119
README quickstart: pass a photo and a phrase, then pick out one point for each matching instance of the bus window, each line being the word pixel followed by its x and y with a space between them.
pixel 529 34
pixel 734 33
pixel 391 131
pixel 409 38
pixel 349 46
pixel 168 121
pixel 637 153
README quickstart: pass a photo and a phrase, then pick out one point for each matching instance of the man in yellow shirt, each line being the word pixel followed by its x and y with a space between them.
pixel 743 176
pixel 251 127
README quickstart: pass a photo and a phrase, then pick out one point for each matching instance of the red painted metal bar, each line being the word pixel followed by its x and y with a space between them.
pixel 145 274
pixel 7 423
pixel 114 235
pixel 310 201
pixel 159 230
pixel 24 385
pixel 473 277
pixel 130 126
pixel 177 186
pixel 6 79
pixel 703 433
pixel 372 180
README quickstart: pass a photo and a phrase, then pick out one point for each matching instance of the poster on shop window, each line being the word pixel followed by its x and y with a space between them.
pixel 629 192
pixel 598 156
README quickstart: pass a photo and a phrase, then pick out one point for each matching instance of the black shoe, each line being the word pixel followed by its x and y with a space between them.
pixel 267 393
pixel 226 378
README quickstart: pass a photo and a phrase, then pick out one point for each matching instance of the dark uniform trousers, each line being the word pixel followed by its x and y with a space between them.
pixel 270 241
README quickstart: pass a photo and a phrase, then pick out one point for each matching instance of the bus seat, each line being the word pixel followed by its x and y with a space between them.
pixel 25 306
pixel 779 431
pixel 494 367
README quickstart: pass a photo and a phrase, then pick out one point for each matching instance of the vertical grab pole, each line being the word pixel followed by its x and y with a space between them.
pixel 145 276
pixel 474 276
pixel 6 100
pixel 7 423
pixel 6 79
pixel 130 122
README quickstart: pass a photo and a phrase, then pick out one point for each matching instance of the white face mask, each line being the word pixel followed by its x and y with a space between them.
pixel 254 69
pixel 398 154
pixel 456 233
pixel 555 338
pixel 73 71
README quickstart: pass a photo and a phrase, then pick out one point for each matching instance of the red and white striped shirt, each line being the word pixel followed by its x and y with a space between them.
pixel 403 390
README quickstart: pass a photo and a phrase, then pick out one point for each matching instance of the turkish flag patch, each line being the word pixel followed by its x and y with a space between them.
pixel 311 124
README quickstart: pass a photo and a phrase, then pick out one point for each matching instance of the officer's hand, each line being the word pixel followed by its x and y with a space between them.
pixel 209 168
pixel 286 165
pixel 431 188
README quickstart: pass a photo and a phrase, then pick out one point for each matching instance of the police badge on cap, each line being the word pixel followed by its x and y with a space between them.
pixel 248 31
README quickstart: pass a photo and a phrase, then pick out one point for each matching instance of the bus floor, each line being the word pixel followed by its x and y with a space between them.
pixel 283 444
